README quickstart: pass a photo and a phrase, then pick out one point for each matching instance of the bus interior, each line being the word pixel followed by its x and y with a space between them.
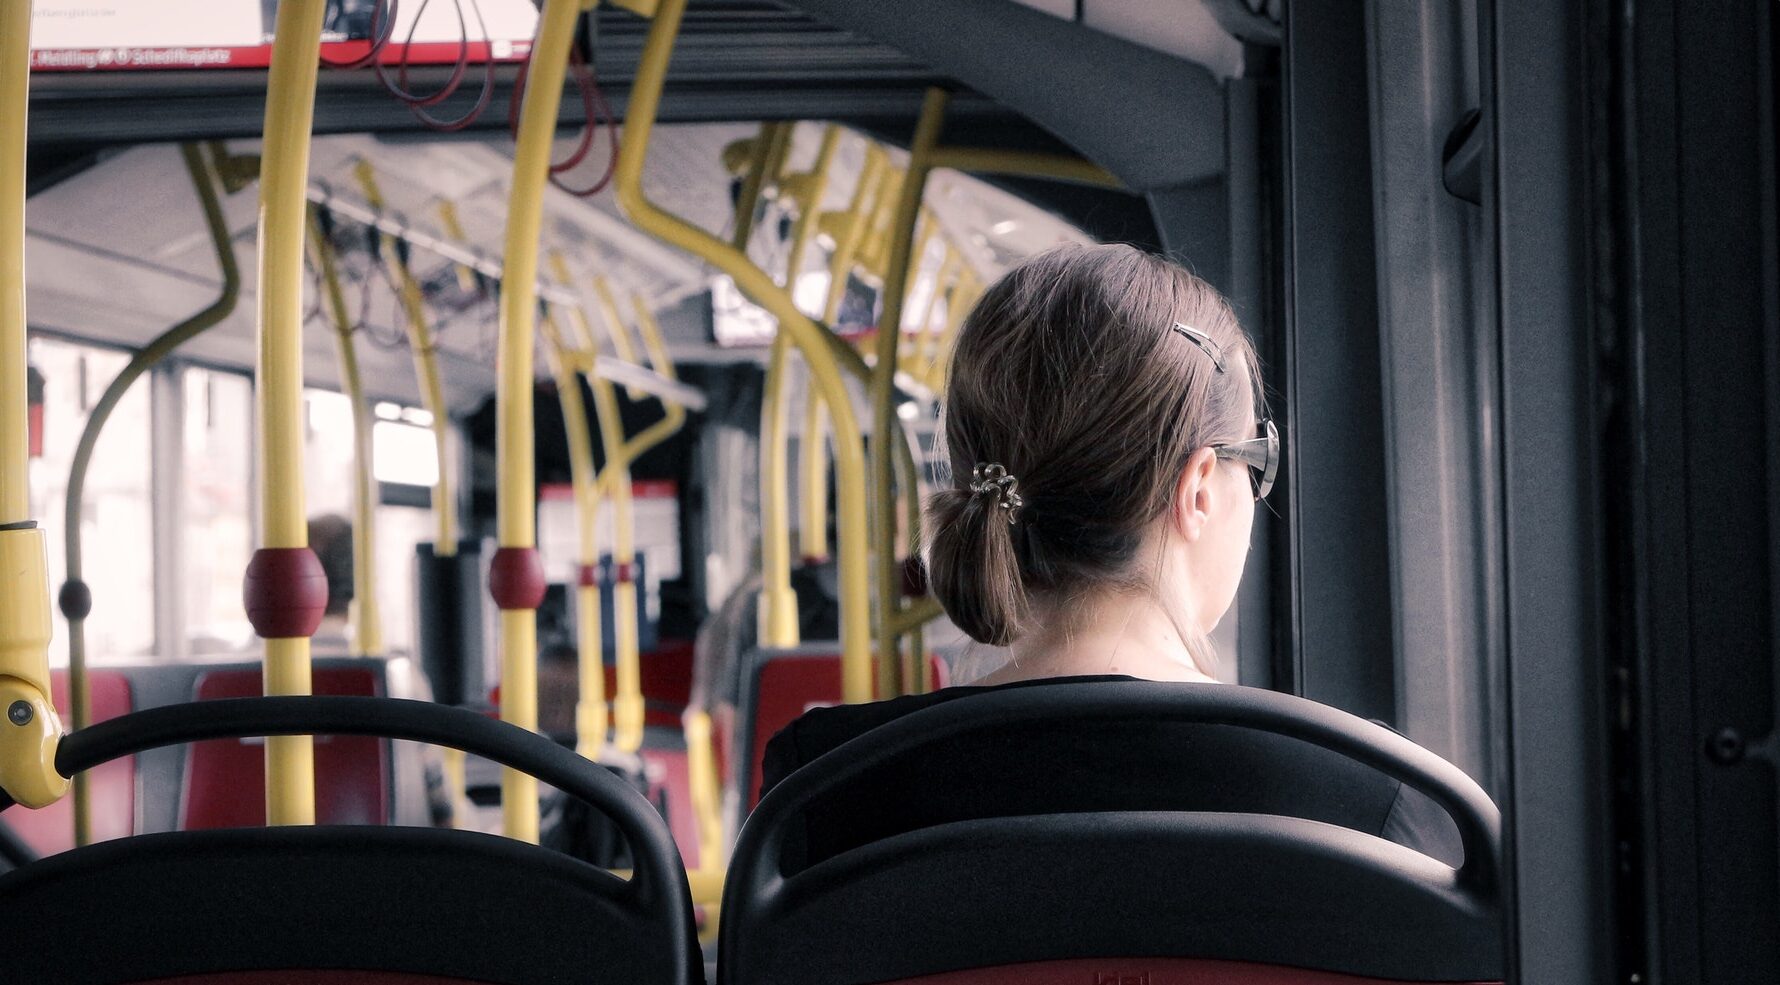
pixel 442 443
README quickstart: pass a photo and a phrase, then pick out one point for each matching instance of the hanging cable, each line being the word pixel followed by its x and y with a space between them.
pixel 594 109
pixel 418 103
pixel 383 25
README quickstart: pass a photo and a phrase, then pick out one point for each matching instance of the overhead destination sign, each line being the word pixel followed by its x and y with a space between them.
pixel 139 35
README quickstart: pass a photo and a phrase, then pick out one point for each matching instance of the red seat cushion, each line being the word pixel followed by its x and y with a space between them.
pixel 1146 971
pixel 789 685
pixel 225 779
pixel 670 779
pixel 666 680
pixel 112 786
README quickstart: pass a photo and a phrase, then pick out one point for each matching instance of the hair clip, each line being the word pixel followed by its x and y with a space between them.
pixel 1204 342
pixel 993 480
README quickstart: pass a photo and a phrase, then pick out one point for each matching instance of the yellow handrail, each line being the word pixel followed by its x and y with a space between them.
pixel 519 585
pixel 645 101
pixel 367 617
pixel 764 152
pixel 76 598
pixel 627 702
pixel 674 414
pixel 590 707
pixel 454 229
pixel 426 363
pixel 888 432
pixel 30 732
pixel 1035 164
pixel 777 608
pixel 284 179
pixel 806 190
pixel 591 716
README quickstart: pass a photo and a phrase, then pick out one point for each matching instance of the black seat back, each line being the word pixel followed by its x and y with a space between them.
pixel 1024 892
pixel 453 905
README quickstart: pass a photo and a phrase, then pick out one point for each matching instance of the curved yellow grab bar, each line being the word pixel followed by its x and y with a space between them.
pixel 282 579
pixel 76 598
pixel 615 480
pixel 367 616
pixel 516 577
pixel 888 431
pixel 674 414
pixel 645 101
pixel 627 702
pixel 426 363
pixel 590 707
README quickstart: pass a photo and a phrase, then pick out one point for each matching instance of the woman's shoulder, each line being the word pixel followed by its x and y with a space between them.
pixel 822 730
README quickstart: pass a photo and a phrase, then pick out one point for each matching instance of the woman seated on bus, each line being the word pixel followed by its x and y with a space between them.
pixel 1105 428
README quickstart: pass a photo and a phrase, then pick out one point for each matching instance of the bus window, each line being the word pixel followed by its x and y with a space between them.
pixel 116 508
pixel 215 516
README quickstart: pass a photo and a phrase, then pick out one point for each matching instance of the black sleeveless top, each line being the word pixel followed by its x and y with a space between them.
pixel 1124 766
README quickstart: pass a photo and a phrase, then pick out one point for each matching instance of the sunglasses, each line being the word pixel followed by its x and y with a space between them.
pixel 1260 454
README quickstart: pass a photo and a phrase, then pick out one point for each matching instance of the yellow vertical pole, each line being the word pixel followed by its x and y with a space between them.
pixel 29 728
pixel 855 223
pixel 627 702
pixel 284 177
pixel 812 463
pixel 367 616
pixel 426 364
pixel 748 197
pixel 944 284
pixel 816 345
pixel 778 623
pixel 807 190
pixel 778 603
pixel 590 709
pixel 445 545
pixel 590 705
pixel 15 83
pixel 516 579
pixel 887 426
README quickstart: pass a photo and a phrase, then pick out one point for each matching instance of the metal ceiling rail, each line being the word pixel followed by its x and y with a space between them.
pixel 631 375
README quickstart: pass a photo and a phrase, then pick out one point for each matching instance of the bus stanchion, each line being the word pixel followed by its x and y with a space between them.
pixel 75 598
pixel 366 615
pixel 516 575
pixel 285 589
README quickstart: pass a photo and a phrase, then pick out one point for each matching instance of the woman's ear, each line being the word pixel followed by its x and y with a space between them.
pixel 1193 494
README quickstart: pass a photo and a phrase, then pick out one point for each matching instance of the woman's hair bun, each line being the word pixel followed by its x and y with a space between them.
pixel 972 565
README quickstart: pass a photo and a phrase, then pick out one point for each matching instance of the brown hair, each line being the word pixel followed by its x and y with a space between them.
pixel 1069 374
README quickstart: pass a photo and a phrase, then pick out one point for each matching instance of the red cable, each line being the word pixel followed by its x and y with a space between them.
pixel 383 25
pixel 594 109
pixel 417 102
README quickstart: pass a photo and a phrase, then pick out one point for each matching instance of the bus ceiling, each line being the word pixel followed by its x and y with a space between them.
pixel 1162 126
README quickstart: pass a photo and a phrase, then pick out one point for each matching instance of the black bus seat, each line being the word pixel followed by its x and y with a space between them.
pixel 350 904
pixel 1151 896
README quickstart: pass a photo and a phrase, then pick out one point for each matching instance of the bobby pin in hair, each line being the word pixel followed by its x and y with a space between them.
pixel 1204 342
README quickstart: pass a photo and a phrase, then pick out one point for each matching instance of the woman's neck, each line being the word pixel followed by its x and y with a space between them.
pixel 1119 634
